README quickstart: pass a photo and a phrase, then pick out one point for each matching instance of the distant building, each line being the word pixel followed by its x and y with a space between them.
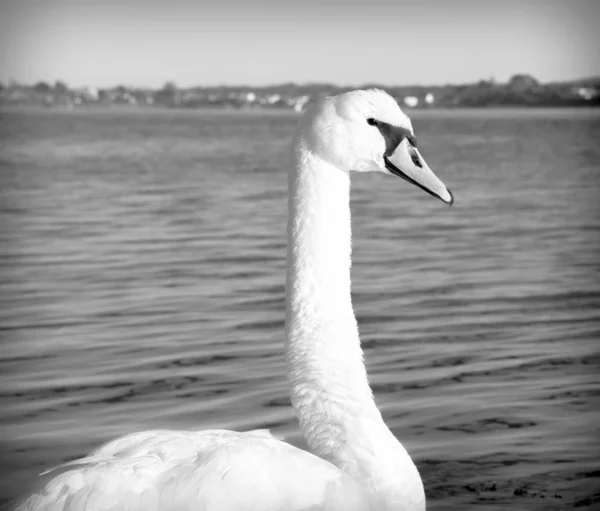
pixel 586 93
pixel 411 101
pixel 300 102
pixel 273 98
pixel 129 98
pixel 88 93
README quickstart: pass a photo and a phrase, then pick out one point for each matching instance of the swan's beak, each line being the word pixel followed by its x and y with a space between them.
pixel 406 162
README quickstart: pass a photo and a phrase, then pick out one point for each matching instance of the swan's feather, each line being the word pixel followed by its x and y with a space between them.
pixel 213 470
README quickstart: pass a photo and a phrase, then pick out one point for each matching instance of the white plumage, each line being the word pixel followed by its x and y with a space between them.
pixel 356 462
pixel 186 470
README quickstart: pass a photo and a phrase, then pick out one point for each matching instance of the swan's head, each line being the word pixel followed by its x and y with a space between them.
pixel 365 130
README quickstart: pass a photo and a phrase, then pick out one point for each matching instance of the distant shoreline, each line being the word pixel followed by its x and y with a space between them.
pixel 521 91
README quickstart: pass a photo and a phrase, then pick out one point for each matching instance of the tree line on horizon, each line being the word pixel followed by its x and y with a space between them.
pixel 520 90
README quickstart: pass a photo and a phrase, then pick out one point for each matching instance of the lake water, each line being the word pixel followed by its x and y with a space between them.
pixel 142 268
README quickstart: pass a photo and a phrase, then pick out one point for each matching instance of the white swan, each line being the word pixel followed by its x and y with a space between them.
pixel 356 462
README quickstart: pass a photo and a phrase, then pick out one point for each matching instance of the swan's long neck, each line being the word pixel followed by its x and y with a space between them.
pixel 330 390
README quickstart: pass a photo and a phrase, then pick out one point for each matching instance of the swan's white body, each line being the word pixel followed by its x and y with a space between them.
pixel 357 464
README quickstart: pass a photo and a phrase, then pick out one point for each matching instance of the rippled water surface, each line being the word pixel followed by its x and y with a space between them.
pixel 142 268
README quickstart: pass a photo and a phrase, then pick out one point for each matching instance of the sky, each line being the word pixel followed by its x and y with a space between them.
pixel 258 42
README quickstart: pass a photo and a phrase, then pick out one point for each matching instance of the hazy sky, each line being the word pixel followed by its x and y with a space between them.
pixel 200 42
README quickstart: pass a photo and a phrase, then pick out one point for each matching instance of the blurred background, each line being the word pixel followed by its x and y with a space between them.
pixel 143 214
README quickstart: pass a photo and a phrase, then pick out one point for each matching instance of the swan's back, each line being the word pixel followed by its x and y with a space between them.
pixel 211 470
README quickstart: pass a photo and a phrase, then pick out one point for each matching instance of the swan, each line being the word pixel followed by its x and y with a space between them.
pixel 355 462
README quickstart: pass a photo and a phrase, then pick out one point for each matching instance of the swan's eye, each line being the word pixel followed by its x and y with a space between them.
pixel 371 121
pixel 415 157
